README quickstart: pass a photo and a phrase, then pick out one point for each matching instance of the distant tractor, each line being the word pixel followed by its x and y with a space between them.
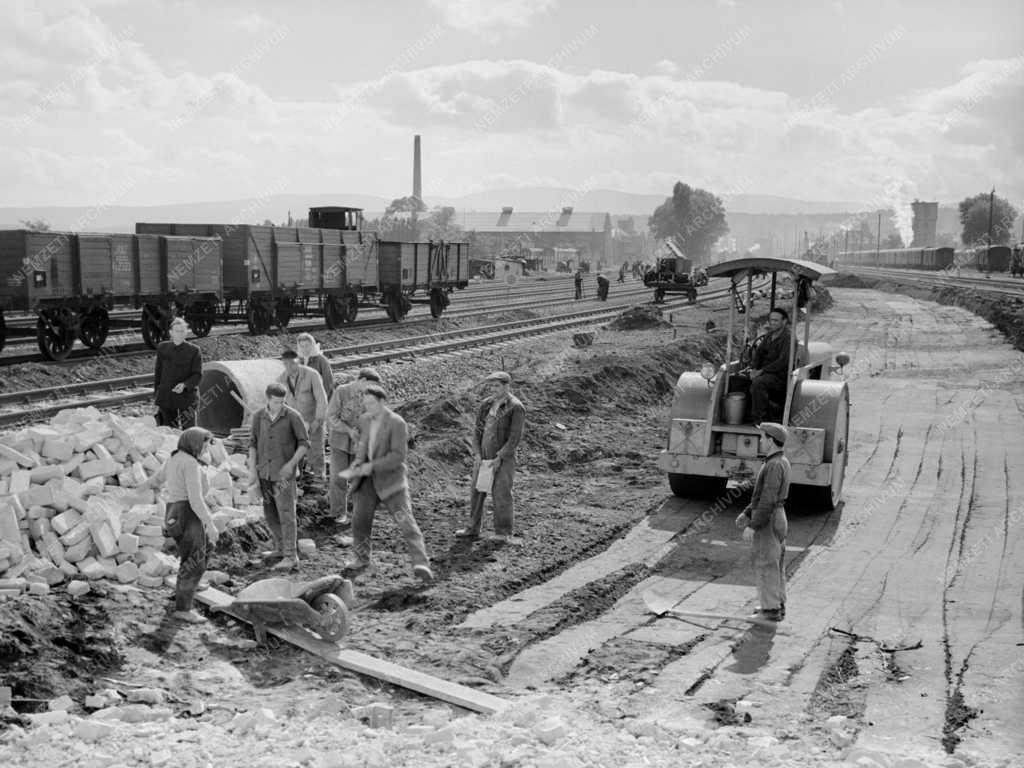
pixel 711 437
pixel 671 275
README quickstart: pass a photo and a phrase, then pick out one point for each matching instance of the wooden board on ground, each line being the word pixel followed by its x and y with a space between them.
pixel 365 664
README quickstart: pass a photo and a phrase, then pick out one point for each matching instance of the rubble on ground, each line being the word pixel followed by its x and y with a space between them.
pixel 73 508
pixel 638 318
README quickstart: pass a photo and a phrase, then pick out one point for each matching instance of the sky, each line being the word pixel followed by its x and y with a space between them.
pixel 147 102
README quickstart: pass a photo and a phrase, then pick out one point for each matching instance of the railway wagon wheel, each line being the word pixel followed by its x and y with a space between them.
pixel 55 333
pixel 200 318
pixel 153 331
pixel 352 302
pixel 93 327
pixel 259 319
pixel 398 307
pixel 283 311
pixel 335 312
pixel 437 303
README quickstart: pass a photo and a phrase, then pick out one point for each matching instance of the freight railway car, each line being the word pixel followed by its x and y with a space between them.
pixel 71 281
pixel 900 258
pixel 272 274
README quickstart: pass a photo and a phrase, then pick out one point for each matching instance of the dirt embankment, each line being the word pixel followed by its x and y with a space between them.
pixel 1004 312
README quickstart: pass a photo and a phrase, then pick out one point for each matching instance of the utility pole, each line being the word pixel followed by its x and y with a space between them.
pixel 846 244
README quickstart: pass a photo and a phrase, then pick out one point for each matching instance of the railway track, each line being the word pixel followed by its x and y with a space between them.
pixel 129 342
pixel 1004 286
pixel 23 407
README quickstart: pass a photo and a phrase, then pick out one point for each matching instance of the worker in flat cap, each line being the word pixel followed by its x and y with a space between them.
pixel 379 473
pixel 343 412
pixel 764 522
pixel 499 428
pixel 306 394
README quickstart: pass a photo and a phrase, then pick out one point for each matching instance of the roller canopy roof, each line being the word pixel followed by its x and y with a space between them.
pixel 755 265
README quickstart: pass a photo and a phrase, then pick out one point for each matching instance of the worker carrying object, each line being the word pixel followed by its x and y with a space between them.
pixel 603 284
pixel 764 523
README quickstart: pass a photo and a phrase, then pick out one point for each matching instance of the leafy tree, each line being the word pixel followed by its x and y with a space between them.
pixel 892 241
pixel 694 216
pixel 36 225
pixel 408 204
pixel 440 225
pixel 974 216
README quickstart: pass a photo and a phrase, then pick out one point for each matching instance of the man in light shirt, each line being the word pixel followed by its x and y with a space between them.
pixel 305 393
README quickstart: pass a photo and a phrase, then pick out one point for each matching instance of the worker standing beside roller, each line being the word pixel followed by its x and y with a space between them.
pixel 179 367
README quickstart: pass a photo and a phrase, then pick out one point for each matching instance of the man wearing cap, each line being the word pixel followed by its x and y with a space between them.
pixel 499 428
pixel 179 367
pixel 764 523
pixel 770 365
pixel 379 472
pixel 305 393
pixel 343 412
pixel 279 442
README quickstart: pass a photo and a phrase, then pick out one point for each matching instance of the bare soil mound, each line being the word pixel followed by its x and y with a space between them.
pixel 639 318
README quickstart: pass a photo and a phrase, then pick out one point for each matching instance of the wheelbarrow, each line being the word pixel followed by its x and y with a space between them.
pixel 321 605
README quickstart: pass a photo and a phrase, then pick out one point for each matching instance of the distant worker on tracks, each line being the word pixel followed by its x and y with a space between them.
pixel 500 422
pixel 379 474
pixel 187 520
pixel 306 394
pixel 279 441
pixel 603 284
pixel 577 281
pixel 343 414
pixel 765 525
pixel 179 367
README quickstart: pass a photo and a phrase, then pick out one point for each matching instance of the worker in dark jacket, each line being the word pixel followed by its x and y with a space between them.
pixel 603 283
pixel 499 428
pixel 577 281
pixel 764 523
pixel 179 367
pixel 770 366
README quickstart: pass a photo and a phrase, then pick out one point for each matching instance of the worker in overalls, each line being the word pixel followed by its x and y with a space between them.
pixel 764 523
pixel 499 428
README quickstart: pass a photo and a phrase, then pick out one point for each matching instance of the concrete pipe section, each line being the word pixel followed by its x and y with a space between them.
pixel 223 381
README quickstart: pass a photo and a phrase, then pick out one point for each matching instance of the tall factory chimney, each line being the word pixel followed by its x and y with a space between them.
pixel 925 224
pixel 417 185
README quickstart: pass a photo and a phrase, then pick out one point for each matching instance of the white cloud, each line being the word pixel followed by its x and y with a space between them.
pixel 251 23
pixel 666 67
pixel 490 17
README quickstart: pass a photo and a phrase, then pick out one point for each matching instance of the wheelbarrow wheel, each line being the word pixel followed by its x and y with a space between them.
pixel 333 616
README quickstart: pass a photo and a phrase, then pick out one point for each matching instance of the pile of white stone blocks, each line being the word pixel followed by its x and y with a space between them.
pixel 71 510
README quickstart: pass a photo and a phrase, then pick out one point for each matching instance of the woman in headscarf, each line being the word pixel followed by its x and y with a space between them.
pixel 188 520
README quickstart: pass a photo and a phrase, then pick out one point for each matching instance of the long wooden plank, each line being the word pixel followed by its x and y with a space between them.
pixel 365 664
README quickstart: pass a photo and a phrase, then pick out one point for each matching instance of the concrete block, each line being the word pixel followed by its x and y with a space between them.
pixel 46 473
pixel 18 457
pixel 77 534
pixel 146 696
pixel 128 543
pixel 52 575
pixel 5 483
pixel 78 588
pixel 4 564
pixel 79 551
pixel 19 584
pixel 9 528
pixel 49 718
pixel 61 704
pixel 222 480
pixel 37 496
pixel 6 593
pixel 306 546
pixel 7 466
pixel 149 530
pixel 127 572
pixel 101 451
pixel 88 438
pixel 150 581
pixel 93 730
pixel 55 551
pixel 39 527
pixel 65 521
pixel 99 468
pixel 58 448
pixel 91 569
pixel 216 578
pixel 151 463
pixel 21 481
pixel 104 538
pixel 36 513
pixel 70 570
pixel 550 731
pixel 107 697
pixel 109 566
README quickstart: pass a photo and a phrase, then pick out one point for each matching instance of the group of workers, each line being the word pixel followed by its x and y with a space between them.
pixel 368 459
pixel 368 451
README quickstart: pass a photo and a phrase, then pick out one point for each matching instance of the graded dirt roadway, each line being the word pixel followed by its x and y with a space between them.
pixel 926 554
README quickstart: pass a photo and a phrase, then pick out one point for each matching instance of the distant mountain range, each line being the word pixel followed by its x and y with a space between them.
pixel 277 207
